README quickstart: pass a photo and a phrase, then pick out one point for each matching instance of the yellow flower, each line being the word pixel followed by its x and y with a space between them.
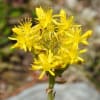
pixel 78 37
pixel 25 35
pixel 71 55
pixel 46 63
pixel 44 17
pixel 54 39
pixel 65 23
pixel 85 36
pixel 62 58
pixel 75 37
pixel 74 55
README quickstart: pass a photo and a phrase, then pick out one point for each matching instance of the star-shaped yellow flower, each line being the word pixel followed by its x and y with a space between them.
pixel 46 63
pixel 43 17
pixel 25 36
pixel 65 23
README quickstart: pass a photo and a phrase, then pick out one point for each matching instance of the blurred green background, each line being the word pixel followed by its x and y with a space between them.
pixel 14 64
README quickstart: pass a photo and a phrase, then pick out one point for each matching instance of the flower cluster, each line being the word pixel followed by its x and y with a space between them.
pixel 54 39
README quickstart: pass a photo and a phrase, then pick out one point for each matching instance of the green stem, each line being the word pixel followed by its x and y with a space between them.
pixel 51 87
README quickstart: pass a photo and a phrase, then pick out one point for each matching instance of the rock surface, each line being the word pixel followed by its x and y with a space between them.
pixel 74 91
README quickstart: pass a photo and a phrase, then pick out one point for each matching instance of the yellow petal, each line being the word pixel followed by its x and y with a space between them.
pixel 50 56
pixel 41 75
pixel 39 12
pixel 62 15
pixel 36 67
pixel 83 51
pixel 15 46
pixel 24 47
pixel 42 58
pixel 16 30
pixel 12 38
pixel 80 59
pixel 84 42
pixel 51 72
pixel 87 34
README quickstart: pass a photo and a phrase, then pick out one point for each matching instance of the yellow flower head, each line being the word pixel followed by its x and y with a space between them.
pixel 65 23
pixel 25 35
pixel 46 63
pixel 74 36
pixel 54 39
pixel 44 17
